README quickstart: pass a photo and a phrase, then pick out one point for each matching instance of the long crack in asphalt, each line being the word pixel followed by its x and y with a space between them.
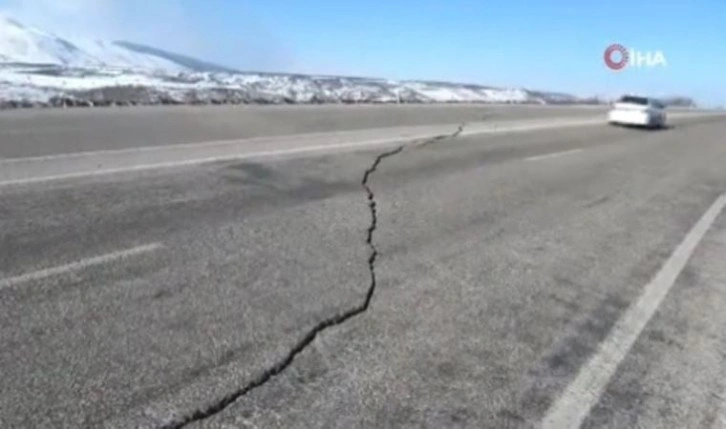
pixel 435 139
pixel 340 318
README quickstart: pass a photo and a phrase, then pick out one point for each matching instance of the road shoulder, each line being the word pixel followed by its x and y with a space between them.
pixel 674 376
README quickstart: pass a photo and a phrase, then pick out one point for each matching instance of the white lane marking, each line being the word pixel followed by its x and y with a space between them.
pixel 508 126
pixel 261 154
pixel 192 145
pixel 553 155
pixel 569 411
pixel 513 125
pixel 78 265
pixel 172 164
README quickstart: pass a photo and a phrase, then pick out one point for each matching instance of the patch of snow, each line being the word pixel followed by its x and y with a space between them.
pixel 500 95
pixel 27 45
pixel 20 44
pixel 111 54
pixel 252 86
pixel 24 93
pixel 297 89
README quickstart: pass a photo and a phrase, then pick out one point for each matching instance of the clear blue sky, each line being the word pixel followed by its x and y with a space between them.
pixel 554 45
pixel 541 44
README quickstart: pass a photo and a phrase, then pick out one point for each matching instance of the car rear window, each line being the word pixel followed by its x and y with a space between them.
pixel 634 100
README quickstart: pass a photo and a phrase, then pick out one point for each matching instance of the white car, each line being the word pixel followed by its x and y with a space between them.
pixel 638 111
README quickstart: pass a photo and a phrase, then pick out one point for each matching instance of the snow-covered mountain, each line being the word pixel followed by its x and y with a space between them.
pixel 38 68
pixel 20 44
pixel 183 60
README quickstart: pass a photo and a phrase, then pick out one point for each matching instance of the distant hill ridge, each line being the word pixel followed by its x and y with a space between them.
pixel 41 68
pixel 183 60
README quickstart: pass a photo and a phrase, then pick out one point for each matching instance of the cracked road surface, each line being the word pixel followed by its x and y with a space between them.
pixel 330 322
pixel 466 282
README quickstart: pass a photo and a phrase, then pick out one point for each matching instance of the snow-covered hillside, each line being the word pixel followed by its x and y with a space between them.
pixel 38 69
pixel 27 45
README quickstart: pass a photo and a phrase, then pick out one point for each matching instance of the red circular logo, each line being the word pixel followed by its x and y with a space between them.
pixel 611 52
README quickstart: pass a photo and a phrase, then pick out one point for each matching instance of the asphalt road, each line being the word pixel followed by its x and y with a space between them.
pixel 32 132
pixel 243 293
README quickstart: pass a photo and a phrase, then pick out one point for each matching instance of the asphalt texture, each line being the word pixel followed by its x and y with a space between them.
pixel 41 132
pixel 456 282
